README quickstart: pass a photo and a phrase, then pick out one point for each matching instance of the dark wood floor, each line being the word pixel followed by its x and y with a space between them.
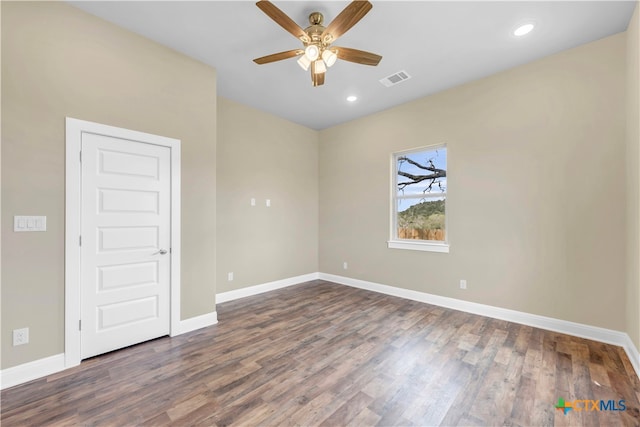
pixel 326 354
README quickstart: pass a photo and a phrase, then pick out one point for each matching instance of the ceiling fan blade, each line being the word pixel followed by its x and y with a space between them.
pixel 349 17
pixel 278 56
pixel 357 56
pixel 283 20
pixel 316 78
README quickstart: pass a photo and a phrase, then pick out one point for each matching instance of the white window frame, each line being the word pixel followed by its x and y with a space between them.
pixel 411 244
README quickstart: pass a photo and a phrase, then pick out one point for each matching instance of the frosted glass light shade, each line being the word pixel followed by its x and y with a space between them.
pixel 329 57
pixel 312 52
pixel 320 67
pixel 304 62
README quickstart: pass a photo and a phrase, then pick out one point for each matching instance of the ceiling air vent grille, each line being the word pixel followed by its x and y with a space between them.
pixel 395 78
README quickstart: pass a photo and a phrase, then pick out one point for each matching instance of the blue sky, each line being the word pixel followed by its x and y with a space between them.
pixel 439 158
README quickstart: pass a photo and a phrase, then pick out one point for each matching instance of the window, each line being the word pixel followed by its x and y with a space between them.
pixel 419 195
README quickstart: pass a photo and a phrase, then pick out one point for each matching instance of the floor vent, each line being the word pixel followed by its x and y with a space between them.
pixel 395 78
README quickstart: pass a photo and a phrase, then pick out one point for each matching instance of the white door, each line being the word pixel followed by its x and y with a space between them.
pixel 125 243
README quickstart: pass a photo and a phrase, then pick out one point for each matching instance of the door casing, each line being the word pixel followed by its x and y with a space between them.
pixel 73 211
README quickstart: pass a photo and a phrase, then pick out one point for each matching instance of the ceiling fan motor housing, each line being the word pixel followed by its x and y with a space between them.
pixel 315 30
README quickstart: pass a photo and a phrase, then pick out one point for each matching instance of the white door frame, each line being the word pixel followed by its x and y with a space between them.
pixel 73 209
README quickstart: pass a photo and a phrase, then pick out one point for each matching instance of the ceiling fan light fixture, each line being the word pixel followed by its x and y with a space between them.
pixel 304 62
pixel 329 57
pixel 312 52
pixel 320 67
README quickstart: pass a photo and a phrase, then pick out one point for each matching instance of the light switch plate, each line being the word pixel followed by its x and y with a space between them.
pixel 29 223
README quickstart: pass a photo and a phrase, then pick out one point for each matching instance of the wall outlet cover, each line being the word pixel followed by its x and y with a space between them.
pixel 20 336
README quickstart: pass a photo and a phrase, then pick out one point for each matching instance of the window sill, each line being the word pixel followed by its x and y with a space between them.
pixel 418 246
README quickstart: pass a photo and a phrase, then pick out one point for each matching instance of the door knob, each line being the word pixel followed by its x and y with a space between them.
pixel 161 252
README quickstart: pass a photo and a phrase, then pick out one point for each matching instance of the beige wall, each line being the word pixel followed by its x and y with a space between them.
pixel 264 157
pixel 633 179
pixel 536 206
pixel 58 61
pixel 536 158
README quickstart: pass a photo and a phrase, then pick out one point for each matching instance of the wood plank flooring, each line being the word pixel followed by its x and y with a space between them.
pixel 322 354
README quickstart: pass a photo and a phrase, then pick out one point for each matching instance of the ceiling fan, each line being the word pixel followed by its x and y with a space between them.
pixel 317 52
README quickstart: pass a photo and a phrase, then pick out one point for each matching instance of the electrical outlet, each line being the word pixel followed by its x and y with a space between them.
pixel 230 276
pixel 345 265
pixel 253 201
pixel 268 203
pixel 463 284
pixel 20 336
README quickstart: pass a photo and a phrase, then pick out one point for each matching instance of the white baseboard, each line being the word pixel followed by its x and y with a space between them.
pixel 197 322
pixel 595 333
pixel 265 287
pixel 633 353
pixel 32 370
pixel 50 365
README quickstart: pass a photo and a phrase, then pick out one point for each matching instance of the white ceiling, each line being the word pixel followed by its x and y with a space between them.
pixel 440 44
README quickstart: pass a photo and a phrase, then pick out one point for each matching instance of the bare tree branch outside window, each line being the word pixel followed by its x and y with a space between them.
pixel 432 177
pixel 421 183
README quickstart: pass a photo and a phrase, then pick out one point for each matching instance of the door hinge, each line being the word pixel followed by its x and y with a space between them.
pixel 80 240
pixel 81 156
pixel 80 325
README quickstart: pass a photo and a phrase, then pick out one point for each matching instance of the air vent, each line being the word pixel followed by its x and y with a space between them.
pixel 395 78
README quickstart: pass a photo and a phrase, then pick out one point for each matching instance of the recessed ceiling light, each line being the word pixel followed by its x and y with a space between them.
pixel 352 98
pixel 523 29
